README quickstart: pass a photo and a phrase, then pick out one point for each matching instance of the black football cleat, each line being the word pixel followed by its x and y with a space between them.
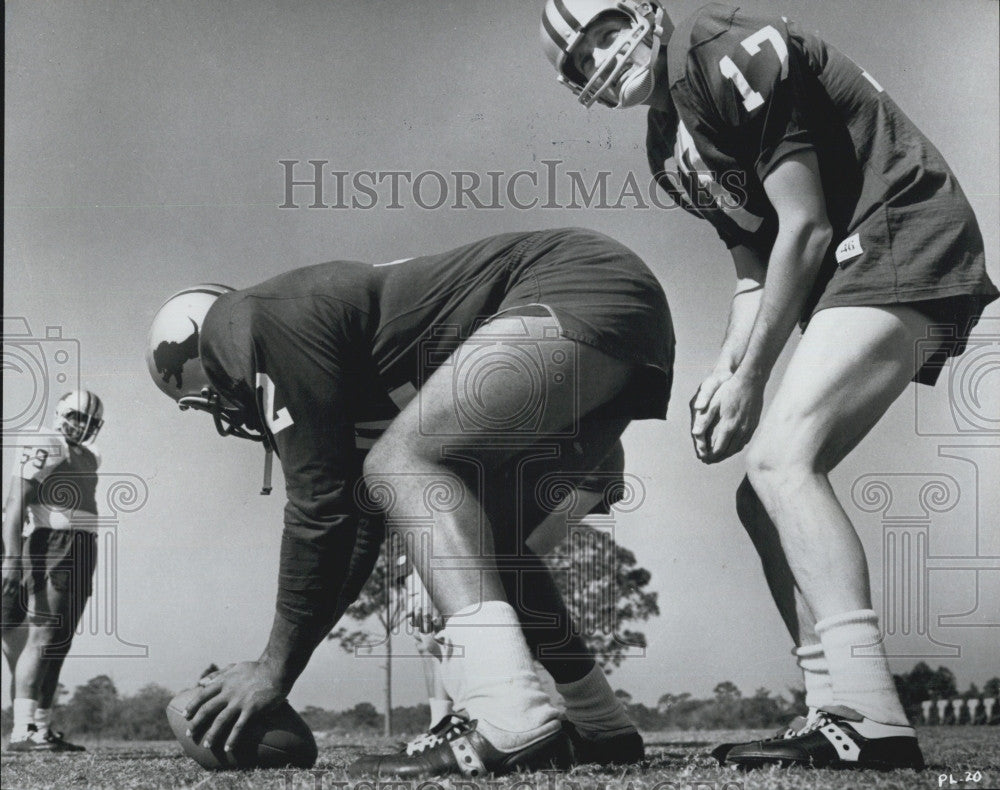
pixel 623 748
pixel 58 743
pixel 47 742
pixel 794 727
pixel 842 739
pixel 439 733
pixel 458 748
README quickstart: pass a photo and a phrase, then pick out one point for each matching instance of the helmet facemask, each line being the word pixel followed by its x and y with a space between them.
pixel 638 82
pixel 79 416
pixel 625 76
pixel 229 419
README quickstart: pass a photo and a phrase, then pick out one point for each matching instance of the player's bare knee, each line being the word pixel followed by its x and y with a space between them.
pixel 774 467
pixel 393 455
pixel 378 463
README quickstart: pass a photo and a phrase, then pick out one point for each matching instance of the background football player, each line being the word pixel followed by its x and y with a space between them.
pixel 509 345
pixel 841 215
pixel 49 555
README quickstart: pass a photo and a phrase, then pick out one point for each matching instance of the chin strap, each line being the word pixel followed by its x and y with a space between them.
pixel 265 489
pixel 228 423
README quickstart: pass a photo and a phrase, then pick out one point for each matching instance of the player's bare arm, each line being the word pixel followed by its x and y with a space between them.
pixel 223 706
pixel 804 234
pixel 750 277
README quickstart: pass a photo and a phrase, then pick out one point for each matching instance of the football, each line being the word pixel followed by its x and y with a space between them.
pixel 275 740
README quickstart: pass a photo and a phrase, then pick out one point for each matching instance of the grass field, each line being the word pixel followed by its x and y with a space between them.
pixel 676 761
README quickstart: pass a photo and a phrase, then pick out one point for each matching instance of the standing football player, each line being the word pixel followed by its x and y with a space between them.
pixel 513 358
pixel 840 215
pixel 49 556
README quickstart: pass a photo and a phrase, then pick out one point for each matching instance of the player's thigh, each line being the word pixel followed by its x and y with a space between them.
pixel 59 599
pixel 539 487
pixel 850 366
pixel 516 377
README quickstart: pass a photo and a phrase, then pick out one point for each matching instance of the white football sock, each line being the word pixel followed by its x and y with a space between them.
pixel 487 670
pixel 440 707
pixel 592 706
pixel 816 675
pixel 43 718
pixel 24 714
pixel 863 683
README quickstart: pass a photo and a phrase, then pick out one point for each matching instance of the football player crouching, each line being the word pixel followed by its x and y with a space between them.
pixel 399 387
pixel 49 556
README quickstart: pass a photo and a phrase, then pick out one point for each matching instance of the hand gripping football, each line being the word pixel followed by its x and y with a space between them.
pixel 273 740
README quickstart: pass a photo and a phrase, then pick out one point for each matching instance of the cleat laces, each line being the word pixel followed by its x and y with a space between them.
pixel 445 730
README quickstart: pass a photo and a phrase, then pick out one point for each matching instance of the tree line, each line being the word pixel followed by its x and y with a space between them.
pixel 96 711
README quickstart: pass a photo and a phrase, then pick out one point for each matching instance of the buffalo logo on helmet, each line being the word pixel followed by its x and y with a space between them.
pixel 173 355
pixel 170 356
pixel 172 348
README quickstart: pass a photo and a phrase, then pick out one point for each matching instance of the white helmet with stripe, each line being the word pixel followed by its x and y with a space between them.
pixel 79 416
pixel 564 23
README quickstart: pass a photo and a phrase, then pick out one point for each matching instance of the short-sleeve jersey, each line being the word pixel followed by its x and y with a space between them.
pixel 750 91
pixel 328 354
pixel 64 478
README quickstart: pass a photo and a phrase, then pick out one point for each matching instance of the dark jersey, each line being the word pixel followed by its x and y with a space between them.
pixel 327 355
pixel 749 92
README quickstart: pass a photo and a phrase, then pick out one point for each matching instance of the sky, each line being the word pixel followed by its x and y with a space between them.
pixel 143 148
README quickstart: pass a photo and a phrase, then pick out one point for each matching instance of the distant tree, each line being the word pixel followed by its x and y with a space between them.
pixel 761 710
pixel 604 590
pixel 623 696
pixel 376 612
pixel 320 720
pixel 992 687
pixel 411 719
pixel 923 683
pixel 140 717
pixel 943 685
pixel 363 716
pixel 93 707
pixel 668 700
pixel 726 691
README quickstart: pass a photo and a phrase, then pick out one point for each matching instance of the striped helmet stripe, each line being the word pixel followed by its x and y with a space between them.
pixel 564 12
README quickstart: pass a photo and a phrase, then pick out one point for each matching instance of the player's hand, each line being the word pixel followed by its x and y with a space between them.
pixel 737 403
pixel 705 411
pixel 211 676
pixel 222 708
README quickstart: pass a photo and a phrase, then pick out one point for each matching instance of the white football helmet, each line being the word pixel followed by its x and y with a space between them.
pixel 172 354
pixel 564 23
pixel 79 416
